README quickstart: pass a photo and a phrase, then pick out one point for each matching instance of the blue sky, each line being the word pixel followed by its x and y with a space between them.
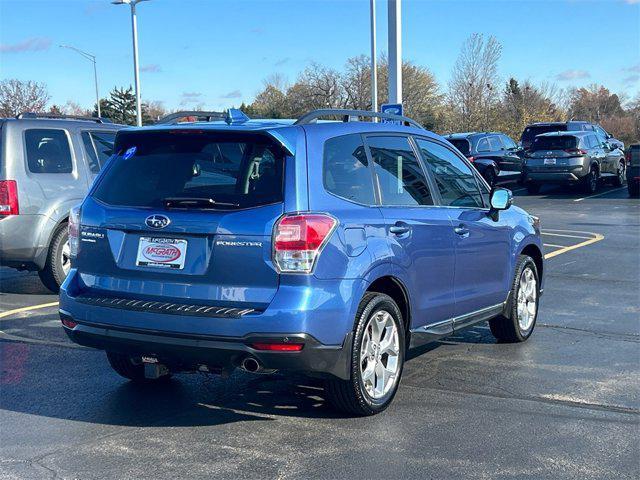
pixel 217 52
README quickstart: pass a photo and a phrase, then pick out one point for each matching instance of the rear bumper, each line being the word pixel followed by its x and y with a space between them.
pixel 633 174
pixel 188 352
pixel 552 177
pixel 319 312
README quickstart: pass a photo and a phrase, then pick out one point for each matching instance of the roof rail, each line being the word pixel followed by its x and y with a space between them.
pixel 27 115
pixel 173 118
pixel 348 115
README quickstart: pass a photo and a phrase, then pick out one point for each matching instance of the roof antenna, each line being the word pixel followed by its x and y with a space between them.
pixel 235 115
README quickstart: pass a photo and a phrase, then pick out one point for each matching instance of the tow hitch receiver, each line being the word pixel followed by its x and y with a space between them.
pixel 153 369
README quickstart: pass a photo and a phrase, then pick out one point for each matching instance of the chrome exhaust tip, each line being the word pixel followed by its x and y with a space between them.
pixel 251 365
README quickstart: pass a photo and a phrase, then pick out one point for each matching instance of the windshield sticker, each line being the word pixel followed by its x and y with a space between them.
pixel 129 153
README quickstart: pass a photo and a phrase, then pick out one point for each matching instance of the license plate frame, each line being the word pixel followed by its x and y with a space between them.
pixel 161 252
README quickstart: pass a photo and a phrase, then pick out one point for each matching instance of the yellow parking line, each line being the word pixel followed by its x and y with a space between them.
pixel 596 238
pixel 26 309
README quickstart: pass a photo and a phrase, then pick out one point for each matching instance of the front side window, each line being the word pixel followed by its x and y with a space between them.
pixel 400 176
pixel 495 144
pixel 508 143
pixel 346 171
pixel 48 151
pixel 454 178
pixel 483 145
pixel 203 170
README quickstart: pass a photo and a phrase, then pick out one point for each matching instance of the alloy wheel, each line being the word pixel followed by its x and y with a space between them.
pixel 527 299
pixel 65 258
pixel 379 355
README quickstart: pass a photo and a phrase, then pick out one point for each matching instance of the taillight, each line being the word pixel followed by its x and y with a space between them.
pixel 298 240
pixel 74 231
pixel 9 197
pixel 627 157
pixel 471 159
pixel 576 151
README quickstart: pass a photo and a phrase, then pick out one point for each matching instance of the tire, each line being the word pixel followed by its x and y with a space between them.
pixel 618 180
pixel 533 188
pixel 490 177
pixel 362 395
pixel 513 328
pixel 57 265
pixel 591 181
pixel 126 367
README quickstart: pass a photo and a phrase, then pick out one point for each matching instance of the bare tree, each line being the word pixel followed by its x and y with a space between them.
pixel 472 90
pixel 17 96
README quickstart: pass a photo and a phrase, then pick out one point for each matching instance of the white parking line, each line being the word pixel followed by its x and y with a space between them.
pixel 553 245
pixel 599 194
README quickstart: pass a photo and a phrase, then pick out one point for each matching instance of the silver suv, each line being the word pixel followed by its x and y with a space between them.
pixel 46 167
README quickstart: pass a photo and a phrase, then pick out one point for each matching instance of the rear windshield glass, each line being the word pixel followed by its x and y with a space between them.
pixel 461 144
pixel 530 132
pixel 231 170
pixel 554 143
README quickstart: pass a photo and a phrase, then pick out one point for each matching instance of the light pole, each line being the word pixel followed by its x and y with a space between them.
pixel 88 56
pixel 395 50
pixel 374 60
pixel 134 29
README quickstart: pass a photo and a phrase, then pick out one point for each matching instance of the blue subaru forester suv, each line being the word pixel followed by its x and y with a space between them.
pixel 323 247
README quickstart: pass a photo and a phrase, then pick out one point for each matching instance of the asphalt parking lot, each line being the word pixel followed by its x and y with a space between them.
pixel 566 404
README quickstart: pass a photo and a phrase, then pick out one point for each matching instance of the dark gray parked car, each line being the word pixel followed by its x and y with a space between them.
pixel 572 158
pixel 531 131
pixel 46 167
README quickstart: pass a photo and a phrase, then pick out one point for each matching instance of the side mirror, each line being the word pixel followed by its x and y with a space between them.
pixel 501 199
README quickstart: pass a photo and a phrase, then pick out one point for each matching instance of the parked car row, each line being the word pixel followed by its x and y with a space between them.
pixel 574 152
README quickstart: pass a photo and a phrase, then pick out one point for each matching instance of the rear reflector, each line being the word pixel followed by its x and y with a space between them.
pixel 9 197
pixel 69 323
pixel 298 240
pixel 471 159
pixel 278 347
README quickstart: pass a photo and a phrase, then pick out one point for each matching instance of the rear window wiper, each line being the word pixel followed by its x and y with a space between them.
pixel 195 202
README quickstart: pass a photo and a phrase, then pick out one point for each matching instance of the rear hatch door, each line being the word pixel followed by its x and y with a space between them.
pixel 185 215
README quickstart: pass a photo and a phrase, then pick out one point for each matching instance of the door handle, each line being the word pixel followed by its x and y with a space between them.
pixel 462 231
pixel 400 228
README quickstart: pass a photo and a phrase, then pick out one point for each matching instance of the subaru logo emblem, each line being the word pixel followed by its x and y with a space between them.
pixel 157 221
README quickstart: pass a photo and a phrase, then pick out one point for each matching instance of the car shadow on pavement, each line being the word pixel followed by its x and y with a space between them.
pixel 23 283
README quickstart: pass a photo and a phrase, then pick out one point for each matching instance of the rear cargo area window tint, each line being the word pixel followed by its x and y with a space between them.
pixel 48 151
pixel 232 170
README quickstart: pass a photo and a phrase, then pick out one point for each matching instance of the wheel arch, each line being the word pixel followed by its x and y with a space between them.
pixel 392 286
pixel 533 251
pixel 41 257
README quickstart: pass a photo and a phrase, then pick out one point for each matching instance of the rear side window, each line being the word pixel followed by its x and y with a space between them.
pixel 346 171
pixel 400 176
pixel 48 151
pixel 560 142
pixel 227 170
pixel 454 178
pixel 462 145
pixel 99 148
